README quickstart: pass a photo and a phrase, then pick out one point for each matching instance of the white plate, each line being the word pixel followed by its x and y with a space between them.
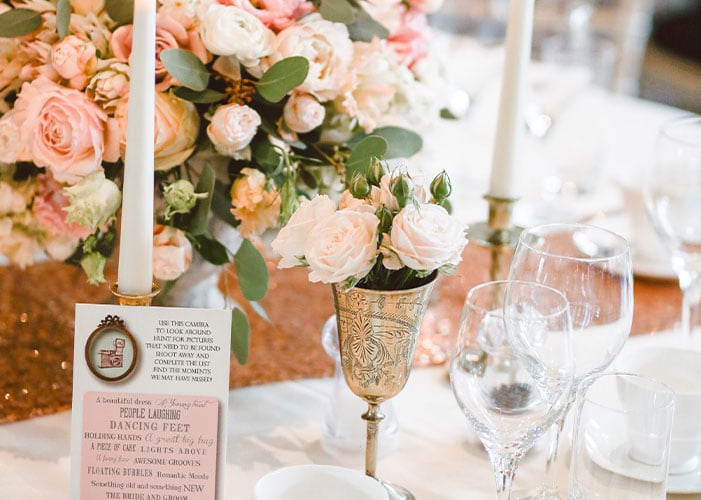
pixel 685 483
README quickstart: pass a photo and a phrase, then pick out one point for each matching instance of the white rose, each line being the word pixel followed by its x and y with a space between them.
pixel 303 113
pixel 426 238
pixel 232 128
pixel 382 195
pixel 327 47
pixel 61 246
pixel 290 241
pixel 230 31
pixel 342 247
pixel 94 200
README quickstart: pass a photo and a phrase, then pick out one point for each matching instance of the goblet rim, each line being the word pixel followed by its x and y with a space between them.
pixel 617 250
pixel 564 309
pixel 669 127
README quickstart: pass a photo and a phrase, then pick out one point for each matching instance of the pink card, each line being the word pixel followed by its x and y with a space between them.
pixel 138 446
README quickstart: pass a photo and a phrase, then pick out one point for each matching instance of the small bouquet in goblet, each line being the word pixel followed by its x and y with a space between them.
pixel 381 249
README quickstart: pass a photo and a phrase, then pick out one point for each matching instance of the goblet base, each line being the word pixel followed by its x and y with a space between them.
pixel 542 492
pixel 396 492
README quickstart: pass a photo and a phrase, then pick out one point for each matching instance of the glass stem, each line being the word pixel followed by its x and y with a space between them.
pixel 550 480
pixel 504 469
pixel 690 284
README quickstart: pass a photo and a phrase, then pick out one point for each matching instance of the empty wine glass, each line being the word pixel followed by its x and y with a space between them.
pixel 592 267
pixel 672 191
pixel 512 370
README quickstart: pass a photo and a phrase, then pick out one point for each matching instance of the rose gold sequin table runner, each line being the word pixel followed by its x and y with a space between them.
pixel 37 314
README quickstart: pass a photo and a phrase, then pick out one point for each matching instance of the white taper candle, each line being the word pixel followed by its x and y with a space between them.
pixel 135 273
pixel 509 132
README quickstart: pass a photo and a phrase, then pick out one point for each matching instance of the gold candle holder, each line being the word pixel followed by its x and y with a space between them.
pixel 134 300
pixel 499 234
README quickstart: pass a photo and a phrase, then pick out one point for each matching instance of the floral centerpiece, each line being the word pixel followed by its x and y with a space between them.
pixel 259 105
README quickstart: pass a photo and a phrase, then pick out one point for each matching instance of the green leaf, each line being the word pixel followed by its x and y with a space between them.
pixel 206 96
pixel 19 22
pixel 221 203
pixel 186 67
pixel 121 11
pixel 209 248
pixel 282 77
pixel 252 271
pixel 240 335
pixel 401 142
pixel 266 155
pixel 200 214
pixel 63 17
pixel 446 114
pixel 338 11
pixel 362 156
pixel 365 27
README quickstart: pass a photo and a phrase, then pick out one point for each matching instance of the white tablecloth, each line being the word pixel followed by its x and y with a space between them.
pixel 277 425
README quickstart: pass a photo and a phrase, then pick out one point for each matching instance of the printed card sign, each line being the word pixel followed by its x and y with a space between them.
pixel 150 398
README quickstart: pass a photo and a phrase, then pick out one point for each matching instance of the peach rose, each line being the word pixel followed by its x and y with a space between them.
pixel 232 128
pixel 10 143
pixel 109 85
pixel 49 207
pixel 170 34
pixel 176 129
pixel 63 130
pixel 303 113
pixel 255 207
pixel 276 14
pixel 75 59
pixel 84 7
pixel 172 252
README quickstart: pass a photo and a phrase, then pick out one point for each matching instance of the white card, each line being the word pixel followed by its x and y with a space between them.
pixel 150 402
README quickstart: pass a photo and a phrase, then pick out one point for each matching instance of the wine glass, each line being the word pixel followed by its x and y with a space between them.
pixel 592 267
pixel 672 192
pixel 512 370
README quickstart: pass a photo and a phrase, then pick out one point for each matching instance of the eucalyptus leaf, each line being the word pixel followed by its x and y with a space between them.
pixel 63 17
pixel 221 203
pixel 210 249
pixel 338 11
pixel 240 335
pixel 282 77
pixel 365 28
pixel 251 271
pixel 206 96
pixel 19 22
pixel 401 142
pixel 266 155
pixel 200 214
pixel 121 11
pixel 361 157
pixel 186 67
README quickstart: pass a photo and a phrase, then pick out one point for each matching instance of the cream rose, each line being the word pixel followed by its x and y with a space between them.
pixel 172 252
pixel 93 201
pixel 327 47
pixel 230 31
pixel 426 238
pixel 109 85
pixel 232 128
pixel 63 130
pixel 342 247
pixel 9 139
pixel 290 241
pixel 84 7
pixel 303 113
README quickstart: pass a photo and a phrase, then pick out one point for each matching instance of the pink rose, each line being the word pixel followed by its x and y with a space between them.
pixel 410 41
pixel 172 252
pixel 275 14
pixel 232 128
pixel 427 6
pixel 170 34
pixel 303 113
pixel 75 59
pixel 256 207
pixel 49 204
pixel 63 130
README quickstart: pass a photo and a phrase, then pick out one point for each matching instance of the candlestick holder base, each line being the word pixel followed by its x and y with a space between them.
pixel 498 234
pixel 134 300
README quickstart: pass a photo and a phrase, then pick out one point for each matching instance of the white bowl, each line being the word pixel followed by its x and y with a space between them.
pixel 681 370
pixel 318 482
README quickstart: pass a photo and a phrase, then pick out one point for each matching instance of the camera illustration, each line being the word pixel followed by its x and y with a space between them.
pixel 113 358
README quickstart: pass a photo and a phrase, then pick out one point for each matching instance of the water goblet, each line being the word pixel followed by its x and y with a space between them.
pixel 512 370
pixel 672 192
pixel 592 267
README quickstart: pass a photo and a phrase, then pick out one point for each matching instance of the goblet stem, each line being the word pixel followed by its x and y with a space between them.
pixel 504 469
pixel 690 284
pixel 373 417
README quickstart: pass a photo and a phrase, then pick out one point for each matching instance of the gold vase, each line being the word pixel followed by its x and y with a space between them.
pixel 377 335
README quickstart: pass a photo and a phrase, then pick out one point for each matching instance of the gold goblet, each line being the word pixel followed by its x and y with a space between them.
pixel 377 335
